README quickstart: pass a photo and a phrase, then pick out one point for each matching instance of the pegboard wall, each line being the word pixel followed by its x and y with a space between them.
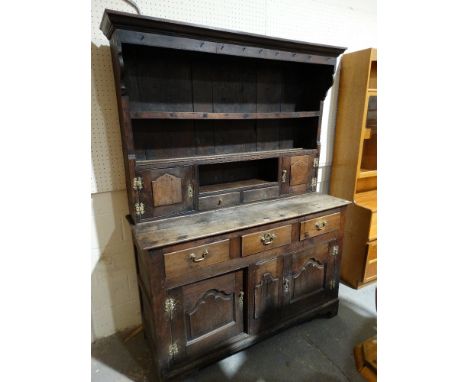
pixel 350 23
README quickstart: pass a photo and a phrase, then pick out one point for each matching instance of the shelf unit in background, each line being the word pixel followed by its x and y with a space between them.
pixel 354 170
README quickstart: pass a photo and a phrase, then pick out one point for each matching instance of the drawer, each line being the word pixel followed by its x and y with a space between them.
pixel 370 271
pixel 320 225
pixel 260 194
pixel 266 240
pixel 372 250
pixel 373 227
pixel 181 262
pixel 218 201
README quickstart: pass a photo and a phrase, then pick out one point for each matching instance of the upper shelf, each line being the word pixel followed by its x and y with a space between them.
pixel 203 115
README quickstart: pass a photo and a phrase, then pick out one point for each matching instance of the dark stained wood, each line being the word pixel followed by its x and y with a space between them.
pixel 222 158
pixel 219 201
pixel 209 313
pixel 212 120
pixel 188 260
pixel 266 240
pixel 237 185
pixel 300 168
pixel 167 190
pixel 266 288
pixel 160 233
pixel 321 225
pixel 260 194
pixel 209 115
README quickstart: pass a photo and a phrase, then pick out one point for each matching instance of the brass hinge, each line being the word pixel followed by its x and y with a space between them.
pixel 335 250
pixel 137 183
pixel 139 209
pixel 332 284
pixel 314 182
pixel 169 307
pixel 316 162
pixel 173 350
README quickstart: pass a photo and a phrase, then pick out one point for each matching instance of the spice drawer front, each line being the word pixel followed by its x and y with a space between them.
pixel 180 262
pixel 218 201
pixel 265 240
pixel 320 225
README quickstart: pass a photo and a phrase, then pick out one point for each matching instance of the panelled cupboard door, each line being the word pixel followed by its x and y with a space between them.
pixel 311 278
pixel 298 174
pixel 265 293
pixel 165 191
pixel 207 314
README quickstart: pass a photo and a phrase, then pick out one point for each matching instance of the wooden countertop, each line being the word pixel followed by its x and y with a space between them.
pixel 160 233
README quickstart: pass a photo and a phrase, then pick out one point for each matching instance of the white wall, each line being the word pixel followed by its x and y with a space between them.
pixel 349 23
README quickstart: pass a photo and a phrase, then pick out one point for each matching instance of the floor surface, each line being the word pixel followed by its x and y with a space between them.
pixel 320 350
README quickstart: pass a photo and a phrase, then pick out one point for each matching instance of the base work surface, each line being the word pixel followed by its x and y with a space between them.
pixel 320 350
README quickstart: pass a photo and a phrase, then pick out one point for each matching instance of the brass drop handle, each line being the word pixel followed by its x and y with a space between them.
pixel 321 224
pixel 283 176
pixel 267 238
pixel 193 257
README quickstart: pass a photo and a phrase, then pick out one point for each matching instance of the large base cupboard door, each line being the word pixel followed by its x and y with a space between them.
pixel 265 293
pixel 205 315
pixel 311 278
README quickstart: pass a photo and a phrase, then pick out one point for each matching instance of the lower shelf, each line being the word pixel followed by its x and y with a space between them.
pixel 235 186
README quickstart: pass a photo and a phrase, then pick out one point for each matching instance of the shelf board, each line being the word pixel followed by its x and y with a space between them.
pixel 202 115
pixel 364 173
pixel 367 199
pixel 234 186
pixel 223 158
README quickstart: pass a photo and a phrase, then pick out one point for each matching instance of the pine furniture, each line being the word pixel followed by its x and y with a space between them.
pixel 220 137
pixel 354 170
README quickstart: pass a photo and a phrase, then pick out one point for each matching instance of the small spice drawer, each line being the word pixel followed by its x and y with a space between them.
pixel 180 262
pixel 217 201
pixel 260 194
pixel 266 240
pixel 320 225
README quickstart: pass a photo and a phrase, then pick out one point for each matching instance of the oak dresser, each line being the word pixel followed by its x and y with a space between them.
pixel 220 134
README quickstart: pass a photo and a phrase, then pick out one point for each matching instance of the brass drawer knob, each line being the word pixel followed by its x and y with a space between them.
pixel 267 238
pixel 321 224
pixel 193 257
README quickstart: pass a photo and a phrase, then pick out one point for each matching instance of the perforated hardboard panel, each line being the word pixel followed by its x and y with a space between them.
pixel 350 23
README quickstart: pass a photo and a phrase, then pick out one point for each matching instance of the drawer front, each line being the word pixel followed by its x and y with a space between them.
pixel 370 271
pixel 266 240
pixel 373 227
pixel 320 225
pixel 372 250
pixel 218 201
pixel 181 262
pixel 260 194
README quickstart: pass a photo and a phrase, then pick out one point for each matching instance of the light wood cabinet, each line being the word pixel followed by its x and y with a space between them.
pixel 354 170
